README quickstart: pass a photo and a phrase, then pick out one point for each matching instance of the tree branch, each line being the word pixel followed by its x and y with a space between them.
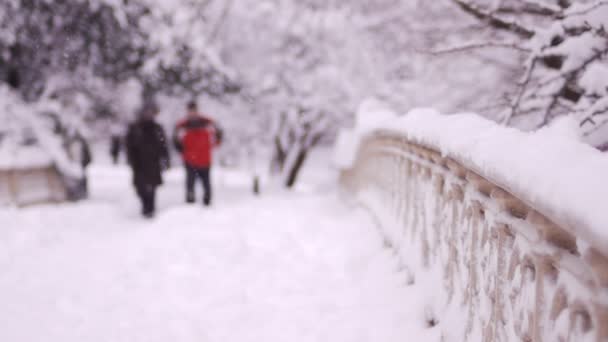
pixel 591 8
pixel 522 89
pixel 480 45
pixel 532 8
pixel 569 74
pixel 589 118
pixel 218 24
pixel 493 20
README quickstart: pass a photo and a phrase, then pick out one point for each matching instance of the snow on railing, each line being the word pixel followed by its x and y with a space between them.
pixel 507 230
pixel 28 186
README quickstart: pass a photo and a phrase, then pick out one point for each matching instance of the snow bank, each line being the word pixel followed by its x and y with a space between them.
pixel 304 268
pixel 29 157
pixel 26 140
pixel 371 114
pixel 551 169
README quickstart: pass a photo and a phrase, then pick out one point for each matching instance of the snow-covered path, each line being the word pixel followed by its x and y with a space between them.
pixel 283 267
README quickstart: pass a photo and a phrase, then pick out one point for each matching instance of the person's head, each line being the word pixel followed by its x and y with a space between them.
pixel 149 111
pixel 192 108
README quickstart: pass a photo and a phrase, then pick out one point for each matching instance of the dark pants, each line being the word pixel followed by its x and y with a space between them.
pixel 147 194
pixel 194 173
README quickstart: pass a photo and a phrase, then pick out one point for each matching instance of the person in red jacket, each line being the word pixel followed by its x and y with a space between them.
pixel 195 137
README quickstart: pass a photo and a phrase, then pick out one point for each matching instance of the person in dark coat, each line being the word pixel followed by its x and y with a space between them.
pixel 195 137
pixel 79 151
pixel 85 160
pixel 148 156
pixel 115 148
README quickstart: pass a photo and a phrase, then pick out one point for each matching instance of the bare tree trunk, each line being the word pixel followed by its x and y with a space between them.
pixel 295 168
pixel 281 148
pixel 279 157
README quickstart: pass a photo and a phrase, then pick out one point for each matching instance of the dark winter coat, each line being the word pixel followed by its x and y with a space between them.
pixel 115 146
pixel 147 152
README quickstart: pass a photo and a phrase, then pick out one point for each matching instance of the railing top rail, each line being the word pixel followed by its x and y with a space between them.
pixel 553 173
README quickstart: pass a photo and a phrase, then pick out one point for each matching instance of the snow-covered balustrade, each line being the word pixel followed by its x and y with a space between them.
pixel 31 186
pixel 28 176
pixel 507 230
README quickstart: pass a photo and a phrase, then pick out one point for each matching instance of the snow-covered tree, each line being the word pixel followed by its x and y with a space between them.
pixel 564 46
pixel 33 136
pixel 46 38
pixel 318 60
pixel 286 74
pixel 161 46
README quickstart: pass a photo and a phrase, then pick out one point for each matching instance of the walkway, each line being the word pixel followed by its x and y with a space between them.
pixel 282 267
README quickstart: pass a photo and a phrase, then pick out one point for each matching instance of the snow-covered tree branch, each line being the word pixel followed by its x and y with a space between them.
pixel 565 46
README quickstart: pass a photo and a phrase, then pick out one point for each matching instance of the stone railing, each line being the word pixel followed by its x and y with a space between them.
pixel 504 271
pixel 29 186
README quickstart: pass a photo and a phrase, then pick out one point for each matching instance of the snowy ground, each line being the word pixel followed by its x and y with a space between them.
pixel 283 267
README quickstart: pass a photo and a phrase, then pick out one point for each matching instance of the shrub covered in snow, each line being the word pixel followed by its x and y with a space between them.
pixel 35 135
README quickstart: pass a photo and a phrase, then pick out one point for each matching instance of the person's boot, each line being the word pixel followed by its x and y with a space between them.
pixel 190 197
pixel 149 207
pixel 146 212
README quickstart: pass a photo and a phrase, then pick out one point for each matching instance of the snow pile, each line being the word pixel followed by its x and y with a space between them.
pixel 14 135
pixel 371 114
pixel 22 158
pixel 27 139
pixel 301 267
pixel 551 170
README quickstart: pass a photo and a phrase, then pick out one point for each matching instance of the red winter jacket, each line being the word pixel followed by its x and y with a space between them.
pixel 197 138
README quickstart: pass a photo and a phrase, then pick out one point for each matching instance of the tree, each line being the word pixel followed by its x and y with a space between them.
pixel 564 46
pixel 317 60
pixel 45 38
pixel 108 41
